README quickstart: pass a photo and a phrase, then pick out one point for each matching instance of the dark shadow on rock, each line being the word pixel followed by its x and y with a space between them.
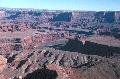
pixel 89 48
pixel 10 59
pixel 42 74
pixel 22 62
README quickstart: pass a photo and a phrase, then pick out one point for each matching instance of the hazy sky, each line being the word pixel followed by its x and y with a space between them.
pixel 63 4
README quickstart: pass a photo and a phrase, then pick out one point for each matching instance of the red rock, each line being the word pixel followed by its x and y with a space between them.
pixel 3 62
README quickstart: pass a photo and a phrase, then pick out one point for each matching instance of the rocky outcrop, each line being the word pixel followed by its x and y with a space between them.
pixel 63 72
pixel 89 48
pixel 23 32
pixel 25 63
pixel 3 63
pixel 27 42
pixel 2 76
pixel 5 49
pixel 70 65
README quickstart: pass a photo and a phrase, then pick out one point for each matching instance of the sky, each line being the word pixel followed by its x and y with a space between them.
pixel 87 5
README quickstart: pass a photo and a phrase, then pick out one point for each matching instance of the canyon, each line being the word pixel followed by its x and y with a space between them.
pixel 56 44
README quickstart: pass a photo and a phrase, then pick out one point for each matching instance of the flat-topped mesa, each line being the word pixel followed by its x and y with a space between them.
pixel 25 42
pixel 44 37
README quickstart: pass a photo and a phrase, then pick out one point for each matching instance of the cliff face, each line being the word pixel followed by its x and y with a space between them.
pixel 104 23
pixel 55 64
pixel 89 48
pixel 59 64
pixel 32 45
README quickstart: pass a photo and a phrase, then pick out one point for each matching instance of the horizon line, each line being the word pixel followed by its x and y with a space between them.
pixel 59 9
